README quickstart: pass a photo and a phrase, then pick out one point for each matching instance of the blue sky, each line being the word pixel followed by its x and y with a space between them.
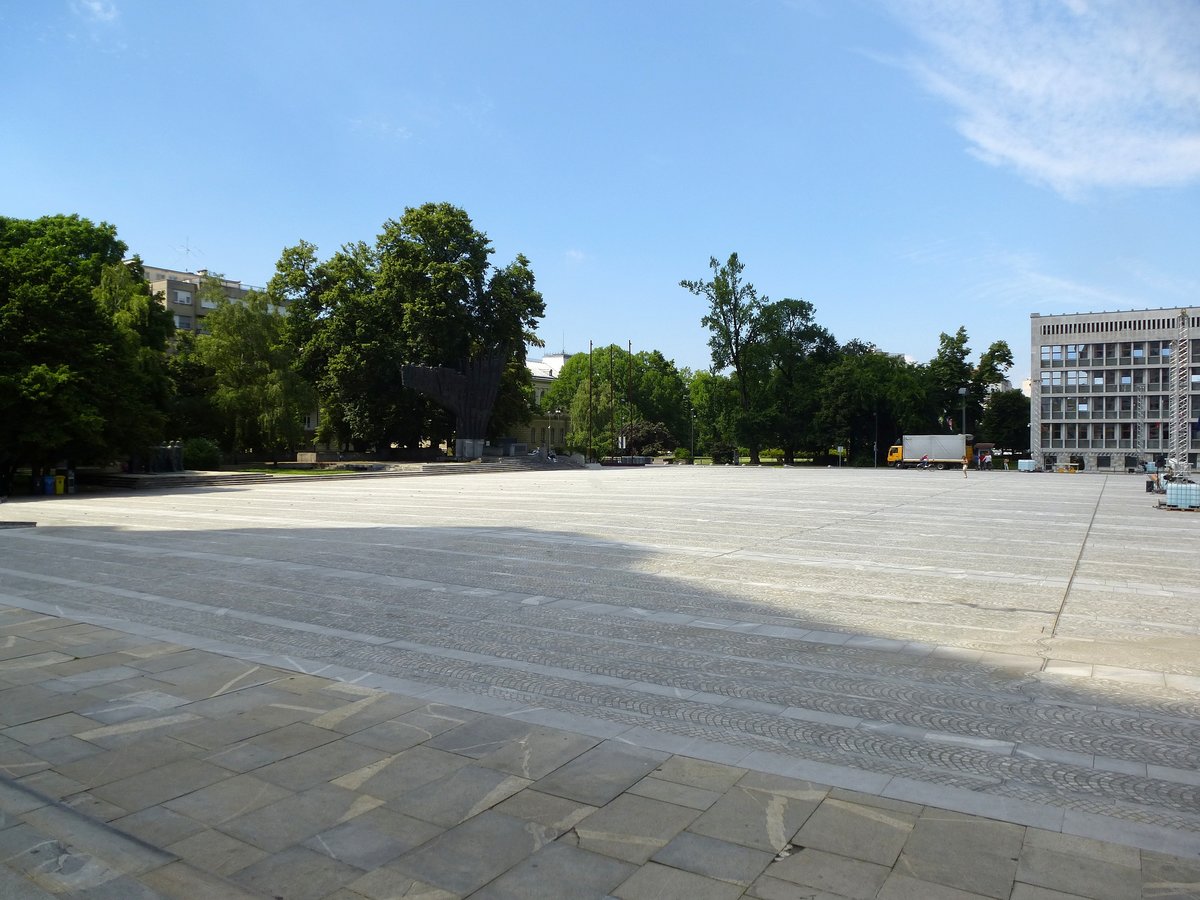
pixel 908 167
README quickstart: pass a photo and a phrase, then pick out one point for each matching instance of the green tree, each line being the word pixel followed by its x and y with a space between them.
pixel 951 370
pixel 144 328
pixel 260 392
pixel 946 373
pixel 426 293
pixel 75 356
pixel 733 321
pixel 993 365
pixel 193 412
pixel 1006 420
pixel 797 352
pixel 714 401
pixel 639 396
pixel 867 397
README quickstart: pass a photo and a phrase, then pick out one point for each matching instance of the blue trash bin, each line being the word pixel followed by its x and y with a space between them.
pixel 48 485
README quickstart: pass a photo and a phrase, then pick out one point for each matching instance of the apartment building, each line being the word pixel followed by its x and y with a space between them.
pixel 1111 390
pixel 181 294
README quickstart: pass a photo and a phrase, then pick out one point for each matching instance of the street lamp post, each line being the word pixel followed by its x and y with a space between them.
pixel 962 392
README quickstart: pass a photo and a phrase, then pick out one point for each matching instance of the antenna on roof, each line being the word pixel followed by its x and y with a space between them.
pixel 186 251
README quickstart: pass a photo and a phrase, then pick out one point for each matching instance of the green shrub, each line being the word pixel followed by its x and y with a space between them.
pixel 723 454
pixel 683 454
pixel 201 453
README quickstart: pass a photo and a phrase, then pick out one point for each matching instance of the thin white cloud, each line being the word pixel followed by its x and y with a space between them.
pixel 575 257
pixel 96 10
pixel 1076 94
pixel 1020 280
pixel 382 129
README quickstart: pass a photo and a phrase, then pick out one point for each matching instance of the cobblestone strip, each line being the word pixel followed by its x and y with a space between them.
pixel 1065 785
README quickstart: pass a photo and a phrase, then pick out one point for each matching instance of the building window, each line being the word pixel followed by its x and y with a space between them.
pixel 184 322
pixel 183 298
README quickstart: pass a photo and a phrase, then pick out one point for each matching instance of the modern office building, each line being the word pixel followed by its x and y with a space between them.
pixel 1111 390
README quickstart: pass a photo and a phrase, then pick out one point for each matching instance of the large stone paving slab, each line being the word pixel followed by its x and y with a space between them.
pixel 529 843
pixel 1019 643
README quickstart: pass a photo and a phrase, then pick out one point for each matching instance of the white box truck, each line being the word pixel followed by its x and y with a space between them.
pixel 935 450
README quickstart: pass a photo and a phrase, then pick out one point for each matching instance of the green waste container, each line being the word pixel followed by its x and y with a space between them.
pixel 60 484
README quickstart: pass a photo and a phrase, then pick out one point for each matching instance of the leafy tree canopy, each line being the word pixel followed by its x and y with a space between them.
pixel 80 346
pixel 427 293
pixel 257 386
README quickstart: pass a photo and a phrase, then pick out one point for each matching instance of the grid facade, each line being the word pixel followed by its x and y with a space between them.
pixel 1103 386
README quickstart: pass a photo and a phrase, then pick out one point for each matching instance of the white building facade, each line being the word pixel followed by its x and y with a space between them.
pixel 548 428
pixel 1111 390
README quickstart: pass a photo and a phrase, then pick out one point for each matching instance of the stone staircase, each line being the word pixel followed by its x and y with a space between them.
pixel 175 480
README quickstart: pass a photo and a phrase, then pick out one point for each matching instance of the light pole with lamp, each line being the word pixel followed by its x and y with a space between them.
pixel 554 414
pixel 962 392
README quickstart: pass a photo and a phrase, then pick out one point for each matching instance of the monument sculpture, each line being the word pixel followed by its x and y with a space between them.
pixel 469 393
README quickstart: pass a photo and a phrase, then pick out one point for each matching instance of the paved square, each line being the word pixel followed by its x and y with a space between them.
pixel 845 668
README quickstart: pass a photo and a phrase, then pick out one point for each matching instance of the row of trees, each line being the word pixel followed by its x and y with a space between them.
pixel 92 370
pixel 780 380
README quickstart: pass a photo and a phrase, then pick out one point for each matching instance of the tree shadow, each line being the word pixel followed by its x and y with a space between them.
pixel 748 659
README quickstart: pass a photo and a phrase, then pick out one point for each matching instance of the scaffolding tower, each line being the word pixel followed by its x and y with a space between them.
pixel 1181 395
pixel 1035 422
pixel 1141 429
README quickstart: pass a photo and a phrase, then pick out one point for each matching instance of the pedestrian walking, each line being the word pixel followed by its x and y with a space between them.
pixel 966 463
